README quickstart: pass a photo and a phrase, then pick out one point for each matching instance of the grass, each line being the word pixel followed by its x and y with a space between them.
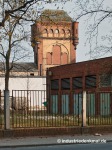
pixel 100 120
pixel 42 119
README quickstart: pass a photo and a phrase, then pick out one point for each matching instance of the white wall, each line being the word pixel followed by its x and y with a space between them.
pixel 19 83
pixel 36 99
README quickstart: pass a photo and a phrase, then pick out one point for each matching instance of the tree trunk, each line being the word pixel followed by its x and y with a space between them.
pixel 6 97
pixel 6 110
pixel 7 81
pixel 7 75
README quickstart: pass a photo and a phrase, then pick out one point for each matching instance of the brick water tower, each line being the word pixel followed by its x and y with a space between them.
pixel 54 40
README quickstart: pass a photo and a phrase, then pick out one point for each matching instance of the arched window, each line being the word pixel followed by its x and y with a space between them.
pixel 49 58
pixel 51 33
pixel 64 58
pixel 56 33
pixel 56 57
pixel 68 33
pixel 62 33
pixel 45 33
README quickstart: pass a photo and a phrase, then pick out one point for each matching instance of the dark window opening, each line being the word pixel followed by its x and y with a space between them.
pixel 91 81
pixel 77 83
pixel 106 80
pixel 65 84
pixel 31 74
pixel 55 84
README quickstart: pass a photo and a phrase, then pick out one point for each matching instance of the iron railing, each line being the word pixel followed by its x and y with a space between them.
pixel 99 108
pixel 31 109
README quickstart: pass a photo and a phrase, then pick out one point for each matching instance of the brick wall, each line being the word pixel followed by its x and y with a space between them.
pixel 55 131
pixel 51 36
pixel 93 67
pixel 82 69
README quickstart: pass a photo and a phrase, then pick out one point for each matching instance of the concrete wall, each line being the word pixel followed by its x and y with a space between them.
pixel 35 99
pixel 24 83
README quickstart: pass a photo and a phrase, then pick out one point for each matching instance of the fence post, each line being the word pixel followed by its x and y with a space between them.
pixel 6 110
pixel 84 109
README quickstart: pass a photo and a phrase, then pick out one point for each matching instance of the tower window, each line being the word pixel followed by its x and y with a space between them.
pixel 68 33
pixel 45 33
pixel 51 33
pixel 63 33
pixel 31 74
pixel 56 31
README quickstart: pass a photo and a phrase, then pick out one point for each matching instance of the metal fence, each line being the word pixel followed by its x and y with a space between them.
pixel 31 109
pixel 63 112
pixel 28 108
pixel 99 108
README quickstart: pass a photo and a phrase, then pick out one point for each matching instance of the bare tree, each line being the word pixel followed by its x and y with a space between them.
pixel 11 46
pixel 98 17
pixel 14 16
pixel 17 8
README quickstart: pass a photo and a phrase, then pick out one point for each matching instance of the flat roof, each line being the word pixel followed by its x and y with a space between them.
pixel 87 61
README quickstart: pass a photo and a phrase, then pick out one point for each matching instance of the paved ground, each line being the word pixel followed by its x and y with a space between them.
pixel 40 141
pixel 107 146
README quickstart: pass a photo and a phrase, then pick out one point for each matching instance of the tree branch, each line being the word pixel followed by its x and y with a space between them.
pixel 9 12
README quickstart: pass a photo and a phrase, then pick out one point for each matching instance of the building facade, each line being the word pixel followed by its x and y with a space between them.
pixel 66 84
pixel 54 40
pixel 26 87
pixel 23 76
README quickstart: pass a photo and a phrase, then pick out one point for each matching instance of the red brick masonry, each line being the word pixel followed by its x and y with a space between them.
pixel 55 131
